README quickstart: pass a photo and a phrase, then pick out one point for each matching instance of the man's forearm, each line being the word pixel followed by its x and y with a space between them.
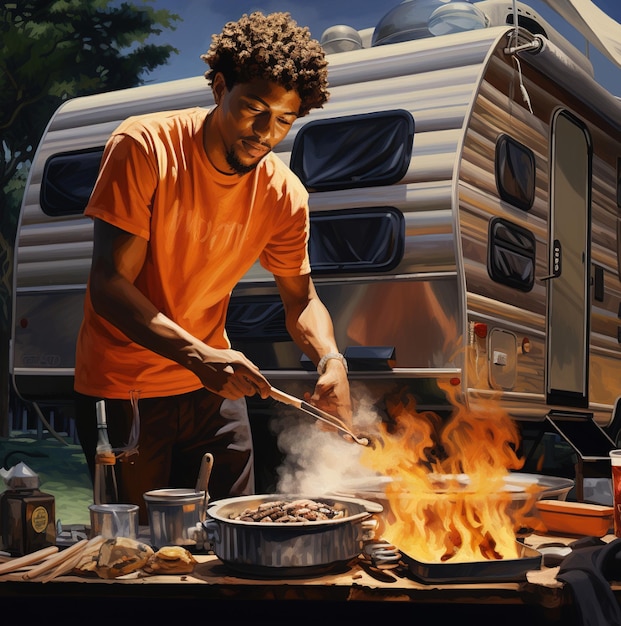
pixel 312 330
pixel 134 315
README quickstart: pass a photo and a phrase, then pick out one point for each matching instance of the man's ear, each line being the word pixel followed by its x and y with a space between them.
pixel 218 87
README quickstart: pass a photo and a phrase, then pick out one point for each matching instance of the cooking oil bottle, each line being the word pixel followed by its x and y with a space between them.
pixel 105 488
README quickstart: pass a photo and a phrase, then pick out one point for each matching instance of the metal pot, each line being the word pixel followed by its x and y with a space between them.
pixel 175 515
pixel 291 549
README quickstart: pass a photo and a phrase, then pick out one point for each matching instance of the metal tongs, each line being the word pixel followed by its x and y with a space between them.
pixel 333 421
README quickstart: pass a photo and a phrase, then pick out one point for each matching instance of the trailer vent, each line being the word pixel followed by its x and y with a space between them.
pixel 512 254
pixel 256 318
pixel 419 19
pixel 356 240
pixel 340 38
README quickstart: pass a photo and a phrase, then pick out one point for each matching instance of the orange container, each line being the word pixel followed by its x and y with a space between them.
pixel 575 518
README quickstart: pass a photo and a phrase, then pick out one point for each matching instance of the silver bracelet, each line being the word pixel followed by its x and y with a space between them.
pixel 321 366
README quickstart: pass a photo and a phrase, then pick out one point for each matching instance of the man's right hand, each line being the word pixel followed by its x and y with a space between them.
pixel 231 375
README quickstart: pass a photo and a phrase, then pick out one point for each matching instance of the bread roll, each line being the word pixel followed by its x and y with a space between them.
pixel 170 560
pixel 121 556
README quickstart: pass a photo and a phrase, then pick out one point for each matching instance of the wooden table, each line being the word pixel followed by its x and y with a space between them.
pixel 357 589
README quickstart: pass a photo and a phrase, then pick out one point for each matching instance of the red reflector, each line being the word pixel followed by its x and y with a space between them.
pixel 23 322
pixel 455 381
pixel 480 330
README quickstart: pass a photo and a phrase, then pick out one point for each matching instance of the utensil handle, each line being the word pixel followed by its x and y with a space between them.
pixel 202 482
pixel 335 422
pixel 285 398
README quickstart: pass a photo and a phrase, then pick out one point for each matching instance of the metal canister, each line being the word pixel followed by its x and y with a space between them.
pixel 27 520
pixel 174 515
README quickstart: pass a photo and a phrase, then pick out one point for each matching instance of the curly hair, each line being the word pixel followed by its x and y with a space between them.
pixel 274 48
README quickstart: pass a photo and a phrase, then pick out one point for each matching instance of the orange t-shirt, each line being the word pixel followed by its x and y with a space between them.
pixel 205 230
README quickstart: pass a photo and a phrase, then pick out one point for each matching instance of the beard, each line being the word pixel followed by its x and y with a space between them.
pixel 236 165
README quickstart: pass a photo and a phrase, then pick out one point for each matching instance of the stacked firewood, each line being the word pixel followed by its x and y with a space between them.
pixel 106 558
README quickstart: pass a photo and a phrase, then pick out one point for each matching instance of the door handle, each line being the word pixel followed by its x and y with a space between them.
pixel 557 261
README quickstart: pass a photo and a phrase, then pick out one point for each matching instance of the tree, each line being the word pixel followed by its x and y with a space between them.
pixel 52 50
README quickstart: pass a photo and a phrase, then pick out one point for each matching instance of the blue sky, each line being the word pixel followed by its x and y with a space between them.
pixel 201 18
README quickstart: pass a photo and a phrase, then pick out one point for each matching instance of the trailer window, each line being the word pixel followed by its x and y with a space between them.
pixel 68 180
pixel 356 240
pixel 515 172
pixel 253 317
pixel 354 151
pixel 511 258
pixel 350 240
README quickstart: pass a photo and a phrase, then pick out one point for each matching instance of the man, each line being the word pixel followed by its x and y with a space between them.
pixel 185 203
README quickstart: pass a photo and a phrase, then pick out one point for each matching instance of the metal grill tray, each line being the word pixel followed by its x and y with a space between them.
pixel 498 570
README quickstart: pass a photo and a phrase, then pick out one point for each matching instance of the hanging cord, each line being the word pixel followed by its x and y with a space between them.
pixel 39 415
pixel 515 48
pixel 525 95
pixel 131 448
pixel 48 425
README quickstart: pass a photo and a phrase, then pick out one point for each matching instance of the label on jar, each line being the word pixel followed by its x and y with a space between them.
pixel 39 519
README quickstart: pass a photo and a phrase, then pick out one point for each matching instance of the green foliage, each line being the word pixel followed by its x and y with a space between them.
pixel 51 50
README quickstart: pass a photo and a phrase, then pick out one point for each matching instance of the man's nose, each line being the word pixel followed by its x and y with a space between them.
pixel 264 125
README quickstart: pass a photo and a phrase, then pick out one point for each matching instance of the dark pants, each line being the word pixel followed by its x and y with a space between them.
pixel 175 433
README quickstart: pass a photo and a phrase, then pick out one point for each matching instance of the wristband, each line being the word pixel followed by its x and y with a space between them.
pixel 321 366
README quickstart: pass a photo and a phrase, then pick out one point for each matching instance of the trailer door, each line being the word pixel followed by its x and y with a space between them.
pixel 568 287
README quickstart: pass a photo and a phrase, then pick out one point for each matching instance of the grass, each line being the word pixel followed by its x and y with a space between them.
pixel 62 471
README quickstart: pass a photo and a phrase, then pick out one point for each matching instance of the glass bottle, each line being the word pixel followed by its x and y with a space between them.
pixel 105 489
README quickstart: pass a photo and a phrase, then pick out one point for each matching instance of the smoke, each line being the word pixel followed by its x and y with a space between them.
pixel 320 461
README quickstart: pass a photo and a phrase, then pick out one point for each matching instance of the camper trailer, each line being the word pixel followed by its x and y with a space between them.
pixel 465 195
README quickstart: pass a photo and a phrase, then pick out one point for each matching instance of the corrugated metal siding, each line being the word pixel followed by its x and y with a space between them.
pixel 462 92
pixel 499 109
pixel 80 124
pixel 434 82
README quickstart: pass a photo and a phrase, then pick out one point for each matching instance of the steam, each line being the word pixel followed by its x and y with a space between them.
pixel 318 461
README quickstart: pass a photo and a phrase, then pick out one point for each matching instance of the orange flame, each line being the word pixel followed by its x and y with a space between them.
pixel 448 498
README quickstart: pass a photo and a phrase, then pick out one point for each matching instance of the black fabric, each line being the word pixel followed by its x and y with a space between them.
pixel 175 433
pixel 353 151
pixel 587 571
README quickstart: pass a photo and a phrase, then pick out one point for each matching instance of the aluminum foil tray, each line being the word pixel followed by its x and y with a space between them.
pixel 500 570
